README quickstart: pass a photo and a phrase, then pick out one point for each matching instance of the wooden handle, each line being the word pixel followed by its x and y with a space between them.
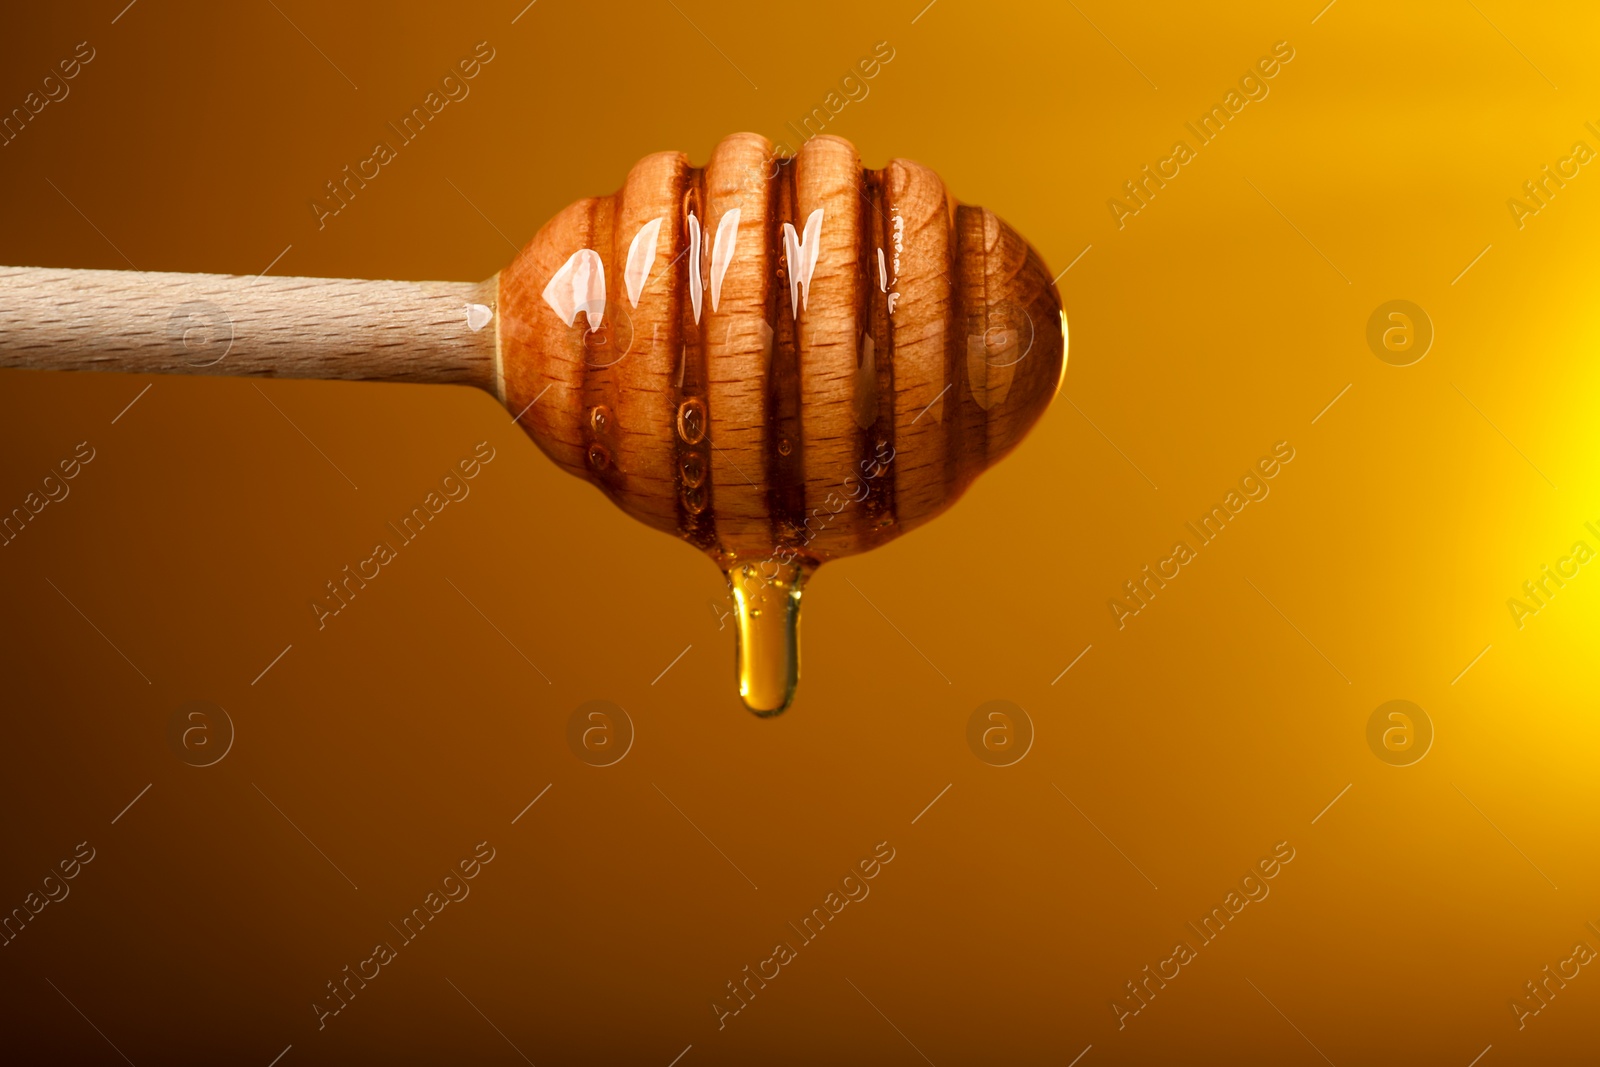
pixel 265 327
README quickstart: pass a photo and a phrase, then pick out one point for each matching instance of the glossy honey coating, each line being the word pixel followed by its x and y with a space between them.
pixel 780 360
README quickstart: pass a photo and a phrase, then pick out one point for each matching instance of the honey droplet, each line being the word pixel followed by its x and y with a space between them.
pixel 599 418
pixel 784 447
pixel 691 206
pixel 693 467
pixel 768 632
pixel 599 458
pixel 692 420
pixel 694 499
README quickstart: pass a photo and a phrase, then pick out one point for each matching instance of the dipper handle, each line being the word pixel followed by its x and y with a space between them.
pixel 138 322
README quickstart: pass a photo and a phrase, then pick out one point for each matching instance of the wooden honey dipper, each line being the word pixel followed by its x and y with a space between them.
pixel 781 360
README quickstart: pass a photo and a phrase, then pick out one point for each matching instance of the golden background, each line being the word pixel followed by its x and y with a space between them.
pixel 1176 753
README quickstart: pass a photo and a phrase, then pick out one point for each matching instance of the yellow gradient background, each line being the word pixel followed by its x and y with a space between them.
pixel 1173 755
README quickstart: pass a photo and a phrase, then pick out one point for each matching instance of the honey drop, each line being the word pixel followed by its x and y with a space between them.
pixel 692 420
pixel 767 610
pixel 693 468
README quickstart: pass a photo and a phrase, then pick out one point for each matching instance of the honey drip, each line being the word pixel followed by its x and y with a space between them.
pixel 767 612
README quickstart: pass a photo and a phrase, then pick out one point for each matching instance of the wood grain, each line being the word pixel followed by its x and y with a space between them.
pixel 139 322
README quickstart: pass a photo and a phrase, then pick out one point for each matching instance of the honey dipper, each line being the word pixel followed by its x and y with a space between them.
pixel 781 360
